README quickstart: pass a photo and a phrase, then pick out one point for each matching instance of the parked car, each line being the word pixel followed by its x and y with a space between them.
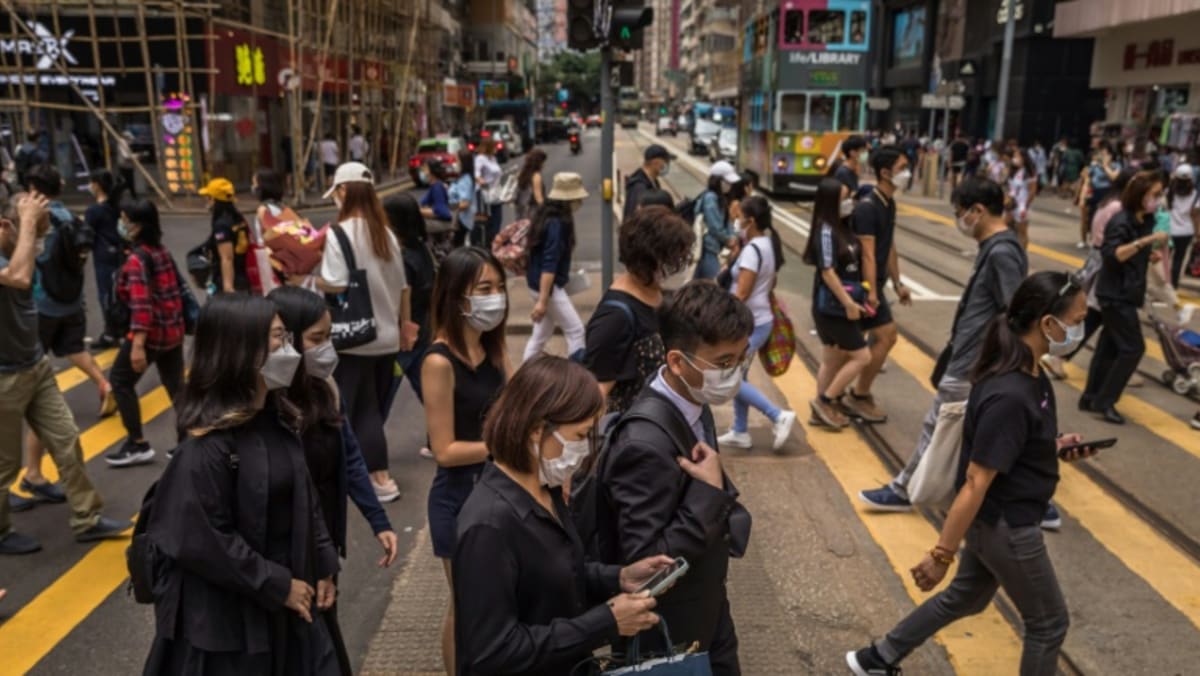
pixel 594 121
pixel 443 149
pixel 504 130
pixel 666 126
pixel 724 146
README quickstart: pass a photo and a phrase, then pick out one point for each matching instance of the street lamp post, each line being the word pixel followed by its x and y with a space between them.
pixel 1005 67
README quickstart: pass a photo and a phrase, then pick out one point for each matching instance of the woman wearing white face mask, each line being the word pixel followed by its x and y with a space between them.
pixel 551 243
pixel 527 599
pixel 249 562
pixel 463 371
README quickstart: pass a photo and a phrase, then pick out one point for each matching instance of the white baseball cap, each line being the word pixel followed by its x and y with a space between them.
pixel 725 172
pixel 350 172
pixel 1183 171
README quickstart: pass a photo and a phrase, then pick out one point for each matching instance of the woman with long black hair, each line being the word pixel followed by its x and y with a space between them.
pixel 420 270
pixel 531 191
pixel 248 560
pixel 839 301
pixel 1007 474
pixel 108 251
pixel 551 243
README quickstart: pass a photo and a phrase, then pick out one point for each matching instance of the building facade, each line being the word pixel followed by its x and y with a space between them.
pixel 552 27
pixel 500 50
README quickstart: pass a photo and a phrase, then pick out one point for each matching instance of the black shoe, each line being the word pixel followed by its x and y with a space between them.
pixel 105 342
pixel 1110 415
pixel 1085 404
pixel 47 491
pixel 129 454
pixel 105 528
pixel 15 543
pixel 867 662
pixel 18 503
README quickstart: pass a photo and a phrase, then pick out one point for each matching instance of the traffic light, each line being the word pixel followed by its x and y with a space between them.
pixel 629 18
pixel 581 25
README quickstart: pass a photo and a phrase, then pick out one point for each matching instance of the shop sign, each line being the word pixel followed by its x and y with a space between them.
pixel 48 47
pixel 251 66
pixel 247 63
pixel 490 91
pixel 824 58
pixel 1158 54
pixel 1002 13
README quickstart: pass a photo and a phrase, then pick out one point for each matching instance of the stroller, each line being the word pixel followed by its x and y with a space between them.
pixel 1181 347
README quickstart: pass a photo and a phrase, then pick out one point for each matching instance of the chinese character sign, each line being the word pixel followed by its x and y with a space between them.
pixel 251 65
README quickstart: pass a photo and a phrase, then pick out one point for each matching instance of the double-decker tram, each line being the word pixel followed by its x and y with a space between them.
pixel 804 82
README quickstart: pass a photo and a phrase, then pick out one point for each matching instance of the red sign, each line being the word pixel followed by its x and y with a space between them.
pixel 247 63
pixel 1158 54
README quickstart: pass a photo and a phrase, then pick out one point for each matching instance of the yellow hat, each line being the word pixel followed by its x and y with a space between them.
pixel 219 189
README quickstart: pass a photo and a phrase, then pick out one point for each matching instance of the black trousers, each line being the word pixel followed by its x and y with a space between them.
pixel 1180 257
pixel 1118 353
pixel 124 382
pixel 365 382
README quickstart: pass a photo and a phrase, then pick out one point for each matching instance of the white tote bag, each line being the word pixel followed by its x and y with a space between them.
pixel 932 485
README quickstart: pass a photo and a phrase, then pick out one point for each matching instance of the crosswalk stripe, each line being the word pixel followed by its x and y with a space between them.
pixel 976 645
pixel 70 377
pixel 1139 548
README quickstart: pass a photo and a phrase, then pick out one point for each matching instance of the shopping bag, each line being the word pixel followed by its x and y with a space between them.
pixel 673 664
pixel 578 282
pixel 353 317
pixel 932 485
pixel 777 353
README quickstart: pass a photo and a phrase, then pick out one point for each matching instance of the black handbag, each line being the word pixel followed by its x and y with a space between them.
pixel 829 305
pixel 353 316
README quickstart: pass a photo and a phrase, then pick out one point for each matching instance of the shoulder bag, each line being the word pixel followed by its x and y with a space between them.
pixel 353 316
pixel 932 484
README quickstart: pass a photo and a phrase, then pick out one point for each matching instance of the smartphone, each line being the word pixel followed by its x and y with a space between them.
pixel 1098 444
pixel 666 577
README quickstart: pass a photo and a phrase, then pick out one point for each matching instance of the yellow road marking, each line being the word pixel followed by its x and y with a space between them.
pixel 1142 550
pixel 979 644
pixel 70 377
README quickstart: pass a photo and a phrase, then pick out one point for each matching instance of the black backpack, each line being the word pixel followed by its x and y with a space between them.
pixel 62 272
pixel 589 509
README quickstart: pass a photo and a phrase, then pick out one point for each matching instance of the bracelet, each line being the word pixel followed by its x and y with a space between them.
pixel 941 558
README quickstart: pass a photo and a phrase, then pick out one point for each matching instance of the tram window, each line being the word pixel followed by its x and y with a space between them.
pixel 826 27
pixel 858 28
pixel 793 26
pixel 791 112
pixel 850 112
pixel 820 115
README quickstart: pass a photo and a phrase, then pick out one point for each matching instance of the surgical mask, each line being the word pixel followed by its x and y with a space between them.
pixel 486 311
pixel 720 385
pixel 666 169
pixel 554 472
pixel 320 361
pixel 900 180
pixel 846 207
pixel 280 367
pixel 1075 335
pixel 424 176
pixel 123 229
pixel 337 201
pixel 864 156
pixel 967 229
pixel 738 228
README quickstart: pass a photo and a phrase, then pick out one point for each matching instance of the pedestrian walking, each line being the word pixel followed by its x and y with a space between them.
pixel 357 146
pixel 713 205
pixel 461 375
pixel 361 240
pixel 660 478
pixel 1000 266
pixel 331 156
pixel 531 192
pixel 551 245
pixel 420 273
pixel 874 220
pixel 656 162
pixel 435 203
pixel 839 302
pixel 108 249
pixel 528 600
pixel 1022 188
pixel 150 287
pixel 235 516
pixel 29 393
pixel 1098 179
pixel 1121 290
pixel 849 168
pixel 1183 202
pixel 229 241
pixel 1007 474
pixel 1040 163
pixel 331 450
pixel 487 181
pixel 125 162
pixel 959 149
pixel 464 201
pixel 753 276
pixel 623 348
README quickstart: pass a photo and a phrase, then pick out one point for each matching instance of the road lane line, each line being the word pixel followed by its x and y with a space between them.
pixel 980 644
pixel 1141 549
pixel 70 377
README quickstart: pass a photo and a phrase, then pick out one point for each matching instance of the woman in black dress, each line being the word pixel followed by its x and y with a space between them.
pixel 248 560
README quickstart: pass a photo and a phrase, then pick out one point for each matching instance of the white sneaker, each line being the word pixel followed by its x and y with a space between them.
pixel 1185 314
pixel 783 429
pixel 734 439
pixel 387 492
pixel 1080 245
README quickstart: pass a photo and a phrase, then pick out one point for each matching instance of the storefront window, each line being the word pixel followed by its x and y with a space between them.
pixel 793 26
pixel 858 28
pixel 820 115
pixel 791 112
pixel 826 27
pixel 850 112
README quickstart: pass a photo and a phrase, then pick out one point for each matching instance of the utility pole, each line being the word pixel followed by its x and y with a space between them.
pixel 607 139
pixel 1005 68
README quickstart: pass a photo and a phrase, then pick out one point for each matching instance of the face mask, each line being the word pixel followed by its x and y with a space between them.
pixel 486 311
pixel 720 385
pixel 666 169
pixel 280 367
pixel 1183 188
pixel 900 180
pixel 554 472
pixel 320 361
pixel 1067 346
pixel 123 229
pixel 738 228
pixel 337 201
pixel 863 157
pixel 967 229
pixel 846 207
pixel 424 176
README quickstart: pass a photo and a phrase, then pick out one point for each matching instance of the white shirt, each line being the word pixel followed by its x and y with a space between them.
pixel 691 412
pixel 1181 214
pixel 357 147
pixel 329 152
pixel 487 171
pixel 759 300
pixel 385 280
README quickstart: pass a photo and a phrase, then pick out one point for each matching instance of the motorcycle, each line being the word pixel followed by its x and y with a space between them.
pixel 576 146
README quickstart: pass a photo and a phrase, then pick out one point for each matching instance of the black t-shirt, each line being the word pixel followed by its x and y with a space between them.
pixel 230 227
pixel 623 346
pixel 875 216
pixel 846 176
pixel 959 150
pixel 1011 426
pixel 845 260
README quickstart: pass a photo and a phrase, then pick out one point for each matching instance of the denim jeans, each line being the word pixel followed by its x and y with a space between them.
pixel 708 266
pixel 748 395
pixel 949 391
pixel 995 556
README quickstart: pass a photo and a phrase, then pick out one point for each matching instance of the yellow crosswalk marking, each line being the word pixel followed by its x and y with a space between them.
pixel 70 377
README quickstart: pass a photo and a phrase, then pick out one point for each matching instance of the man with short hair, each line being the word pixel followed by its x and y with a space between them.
pixel 357 146
pixel 855 157
pixel 28 390
pixel 1000 267
pixel 656 162
pixel 29 155
pixel 875 224
pixel 661 480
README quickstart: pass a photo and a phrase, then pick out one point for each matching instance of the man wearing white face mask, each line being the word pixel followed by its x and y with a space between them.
pixel 875 225
pixel 1000 267
pixel 661 479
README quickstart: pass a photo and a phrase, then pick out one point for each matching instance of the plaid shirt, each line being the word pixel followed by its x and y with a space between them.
pixel 155 303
